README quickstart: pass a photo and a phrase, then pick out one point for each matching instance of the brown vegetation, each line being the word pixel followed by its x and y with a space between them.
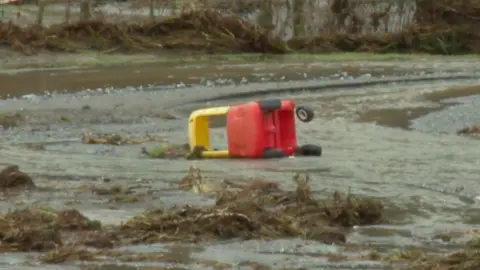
pixel 475 129
pixel 116 139
pixel 252 211
pixel 39 229
pixel 445 27
pixel 255 211
pixel 12 177
pixel 466 259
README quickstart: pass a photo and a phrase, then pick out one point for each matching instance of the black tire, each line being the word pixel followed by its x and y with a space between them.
pixel 269 104
pixel 273 153
pixel 304 114
pixel 309 150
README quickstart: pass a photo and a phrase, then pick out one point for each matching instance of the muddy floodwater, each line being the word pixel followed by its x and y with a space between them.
pixel 387 130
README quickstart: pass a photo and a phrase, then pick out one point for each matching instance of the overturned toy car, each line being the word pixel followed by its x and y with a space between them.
pixel 257 129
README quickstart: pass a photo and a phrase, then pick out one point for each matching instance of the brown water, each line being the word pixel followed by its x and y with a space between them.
pixel 411 157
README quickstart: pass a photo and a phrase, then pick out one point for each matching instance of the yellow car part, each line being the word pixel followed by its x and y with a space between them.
pixel 199 133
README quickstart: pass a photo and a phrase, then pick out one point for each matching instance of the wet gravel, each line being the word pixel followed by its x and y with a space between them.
pixel 419 169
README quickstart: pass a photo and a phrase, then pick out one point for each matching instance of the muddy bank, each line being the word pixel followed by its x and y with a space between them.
pixel 211 73
pixel 435 104
pixel 227 70
pixel 213 32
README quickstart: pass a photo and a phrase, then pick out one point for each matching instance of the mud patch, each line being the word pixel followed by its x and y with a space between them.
pixel 396 118
pixel 118 194
pixel 10 120
pixel 470 131
pixel 453 92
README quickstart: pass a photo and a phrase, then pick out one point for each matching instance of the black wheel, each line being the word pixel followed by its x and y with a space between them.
pixel 305 114
pixel 273 153
pixel 270 104
pixel 309 150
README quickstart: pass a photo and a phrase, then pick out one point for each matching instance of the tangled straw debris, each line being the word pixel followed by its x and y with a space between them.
pixel 258 209
pixel 254 214
pixel 39 229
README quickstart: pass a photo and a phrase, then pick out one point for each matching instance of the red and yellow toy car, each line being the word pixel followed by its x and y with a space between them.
pixel 257 129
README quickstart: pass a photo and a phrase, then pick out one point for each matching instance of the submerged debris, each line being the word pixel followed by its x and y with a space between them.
pixel 256 209
pixel 195 182
pixel 475 129
pixel 12 177
pixel 166 150
pixel 65 254
pixel 119 194
pixel 116 139
pixel 466 259
pixel 39 229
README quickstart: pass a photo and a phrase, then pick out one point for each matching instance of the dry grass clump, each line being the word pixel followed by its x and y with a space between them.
pixel 254 211
pixel 12 178
pixel 40 229
pixel 466 259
